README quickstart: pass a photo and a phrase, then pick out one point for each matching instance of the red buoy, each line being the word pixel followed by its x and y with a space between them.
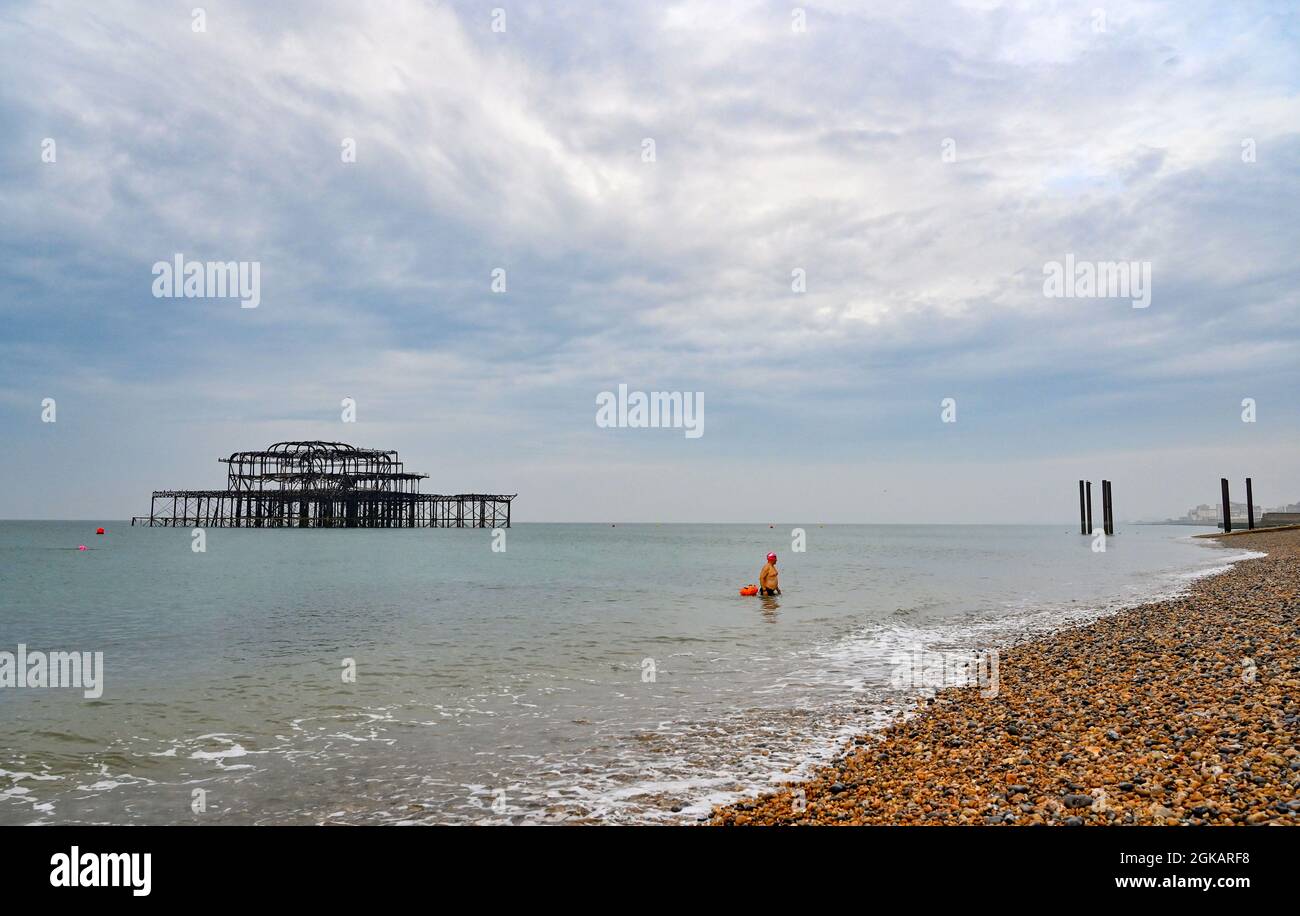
pixel 99 531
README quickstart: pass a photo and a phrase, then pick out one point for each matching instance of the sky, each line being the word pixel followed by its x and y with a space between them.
pixel 846 220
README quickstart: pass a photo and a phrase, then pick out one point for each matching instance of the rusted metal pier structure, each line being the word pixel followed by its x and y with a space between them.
pixel 322 485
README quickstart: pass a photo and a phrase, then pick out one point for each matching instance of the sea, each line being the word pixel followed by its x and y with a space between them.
pixel 559 673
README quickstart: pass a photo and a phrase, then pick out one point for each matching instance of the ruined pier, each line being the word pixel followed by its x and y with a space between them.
pixel 322 485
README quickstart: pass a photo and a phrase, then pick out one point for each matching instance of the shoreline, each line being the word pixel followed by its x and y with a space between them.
pixel 1183 710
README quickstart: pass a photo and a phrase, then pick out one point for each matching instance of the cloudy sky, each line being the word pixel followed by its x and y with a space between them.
pixel 920 163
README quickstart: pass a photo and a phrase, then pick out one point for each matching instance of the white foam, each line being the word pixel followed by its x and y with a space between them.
pixel 235 750
pixel 1228 562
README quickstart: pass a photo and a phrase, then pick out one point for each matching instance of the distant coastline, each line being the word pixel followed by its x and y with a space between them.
pixel 1190 523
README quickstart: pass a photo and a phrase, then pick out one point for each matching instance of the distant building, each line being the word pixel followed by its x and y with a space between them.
pixel 1282 515
pixel 1213 515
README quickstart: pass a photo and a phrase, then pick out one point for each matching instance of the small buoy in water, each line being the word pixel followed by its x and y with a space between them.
pixel 82 547
pixel 749 590
pixel 99 531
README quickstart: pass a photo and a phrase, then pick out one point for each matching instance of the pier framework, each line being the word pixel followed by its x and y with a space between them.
pixel 322 485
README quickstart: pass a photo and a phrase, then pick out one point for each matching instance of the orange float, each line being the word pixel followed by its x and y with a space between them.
pixel 749 590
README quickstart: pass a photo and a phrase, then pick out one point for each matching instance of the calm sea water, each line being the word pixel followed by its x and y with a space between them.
pixel 588 673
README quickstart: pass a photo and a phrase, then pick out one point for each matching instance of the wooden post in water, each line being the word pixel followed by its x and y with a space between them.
pixel 1106 526
pixel 1083 518
pixel 1250 507
pixel 1227 506
pixel 1089 489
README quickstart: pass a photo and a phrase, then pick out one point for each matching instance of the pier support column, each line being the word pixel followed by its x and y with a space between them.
pixel 1250 507
pixel 1227 505
pixel 1089 489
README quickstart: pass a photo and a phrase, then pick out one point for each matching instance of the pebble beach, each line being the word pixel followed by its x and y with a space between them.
pixel 1184 711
